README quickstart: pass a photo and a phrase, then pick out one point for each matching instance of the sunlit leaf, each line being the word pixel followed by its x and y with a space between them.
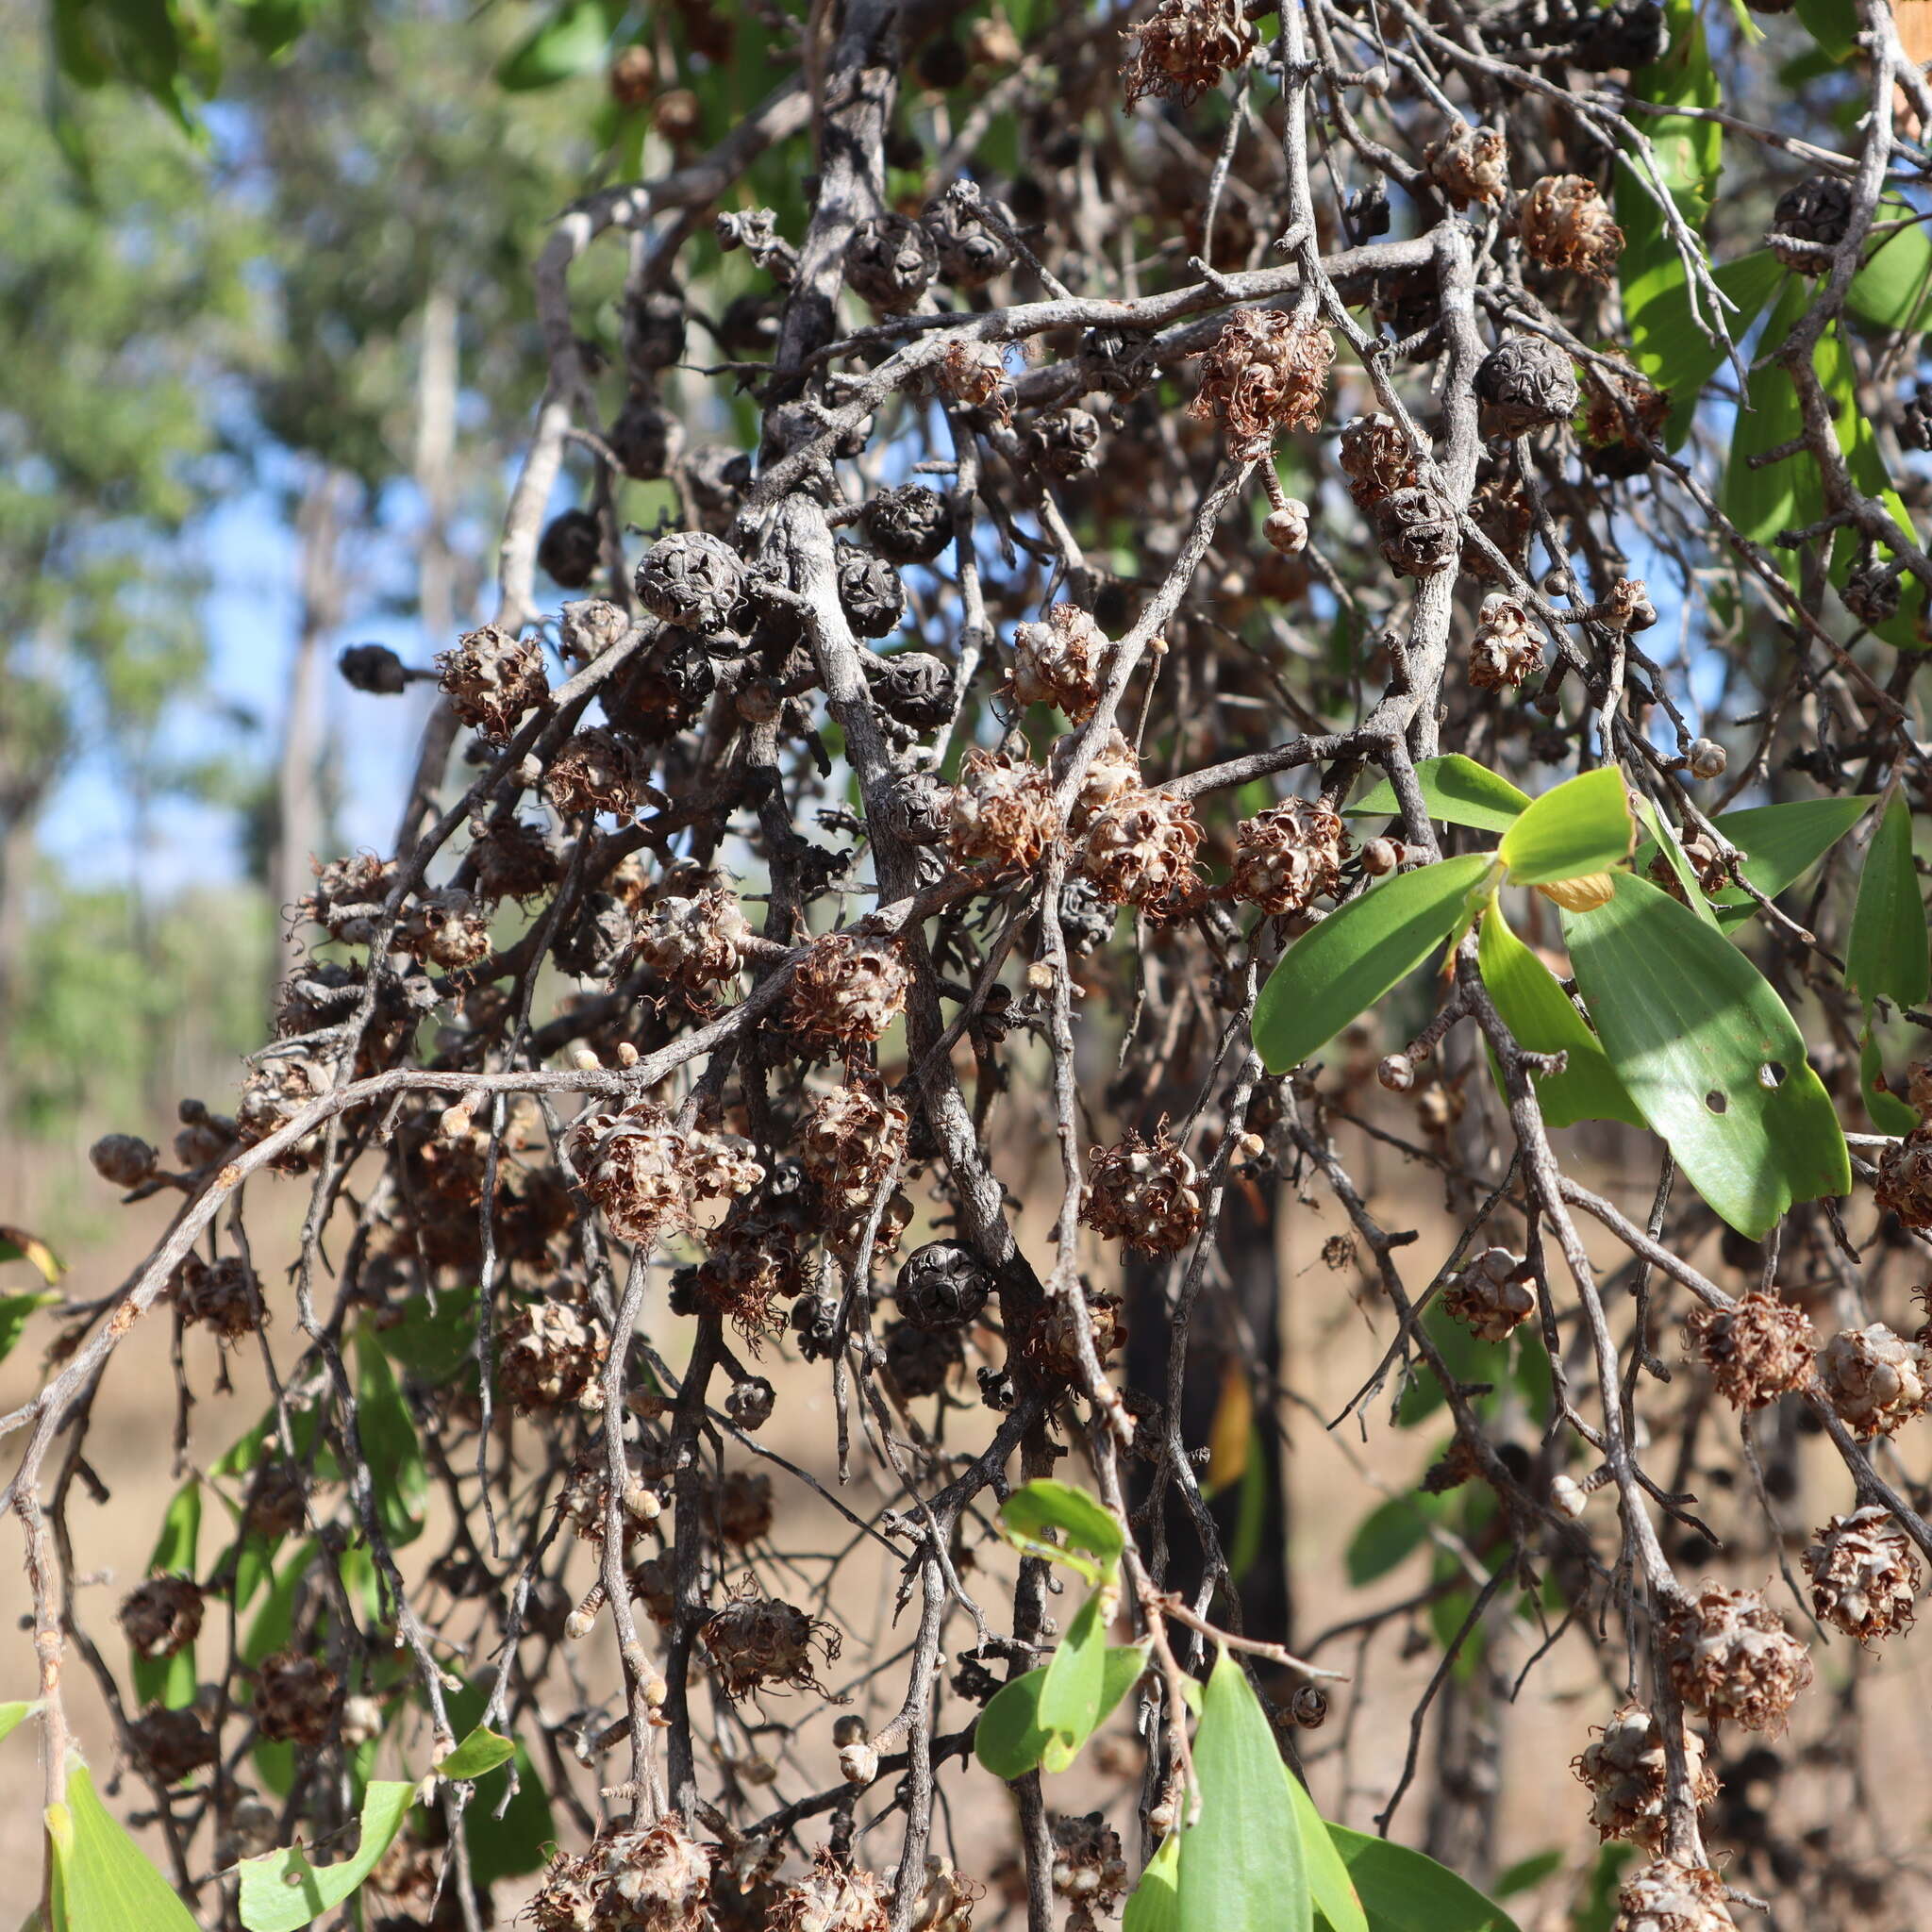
pixel 1009 1739
pixel 1457 791
pixel 1155 1905
pixel 1890 289
pixel 283 1892
pixel 1710 1054
pixel 1074 1692
pixel 1337 1906
pixel 1579 829
pixel 1668 343
pixel 17 1244
pixel 1357 954
pixel 483 1750
pixel 521 1839
pixel 1406 1891
pixel 573 40
pixel 1085 1523
pixel 101 1882
pixel 1886 956
pixel 13 1715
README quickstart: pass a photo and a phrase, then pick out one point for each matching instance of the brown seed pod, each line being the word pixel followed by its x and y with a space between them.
pixel 846 993
pixel 1565 224
pixel 942 1285
pixel 945 1900
pixel 1756 1350
pixel 1809 221
pixel 1468 164
pixel 1665 1896
pixel 919 1361
pixel 173 1743
pixel 1874 1379
pixel 1731 1658
pixel 1145 1192
pixel 1267 372
pixel 162 1616
pixel 1864 1576
pixel 1526 382
pixel 1066 443
pixel 1416 530
pixel 657 1880
pixel 1139 851
pixel 570 548
pixel 348 896
pixel 514 861
pixel 756 1642
pixel 296 1698
pixel 223 1296
pixel 909 524
pixel 1288 856
pixel 855 1136
pixel 124 1159
pixel 1624 1766
pixel 632 1165
pixel 695 940
pixel 1111 774
pixel 548 1354
pixel 491 678
pixel 1088 1865
pixel 1000 812
pixel 1505 651
pixel 1185 47
pixel 1490 1297
pixel 1060 662
pixel 831 1897
pixel 692 580
pixel 1054 1344
pixel 1376 459
pixel 970 254
pixel 974 375
pixel 890 261
pixel 1905 1178
pixel 275 1090
pixel 595 771
pixel 749 1403
pixel 444 926
pixel 278 1501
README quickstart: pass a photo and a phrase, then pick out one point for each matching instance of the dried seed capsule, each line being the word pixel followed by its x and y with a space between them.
pixel 646 437
pixel 1267 372
pixel 1067 442
pixel 1756 1350
pixel 969 253
pixel 372 668
pixel 1185 47
pixel 909 524
pixel 596 770
pixel 654 331
pixel 755 1641
pixel 870 592
pixel 1665 1896
pixel 832 1897
pixel 1288 856
pixel 1874 1379
pixel 1111 774
pixel 445 927
pixel 1871 591
pixel 1566 224
pixel 846 991
pixel 1088 1867
pixel 1376 459
pixel 974 375
pixel 919 1361
pixel 1526 382
pixel 1503 651
pixel 491 678
pixel 1706 758
pixel 1468 164
pixel 914 687
pixel 1731 1658
pixel 223 1296
pixel 1624 1766
pixel 162 1616
pixel 1087 921
pixel 749 1403
pixel 1905 1178
pixel 1809 221
pixel 124 1159
pixel 1145 1192
pixel 1000 811
pixel 1286 529
pixel 1062 662
pixel 632 75
pixel 657 1880
pixel 631 1165
pixel 1416 530
pixel 890 261
pixel 855 1136
pixel 570 548
pixel 547 1355
pixel 1864 1576
pixel 1489 1296
pixel 174 1743
pixel 692 580
pixel 946 1900
pixel 295 1699
pixel 695 940
pixel 514 861
pixel 1915 420
pixel 942 1285
pixel 1139 850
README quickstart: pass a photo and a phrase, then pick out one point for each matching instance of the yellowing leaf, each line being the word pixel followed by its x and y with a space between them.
pixel 1233 1428
pixel 1583 894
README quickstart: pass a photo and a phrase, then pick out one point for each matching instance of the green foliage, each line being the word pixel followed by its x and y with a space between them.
pixel 1406 1891
pixel 101 1883
pixel 1457 791
pixel 1887 957
pixel 172 1681
pixel 1580 827
pixel 282 1892
pixel 1010 1738
pixel 1044 1504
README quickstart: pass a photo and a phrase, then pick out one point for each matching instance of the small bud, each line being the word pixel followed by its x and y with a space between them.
pixel 858 1764
pixel 1380 857
pixel 848 1730
pixel 1253 1146
pixel 1375 83
pixel 372 668
pixel 656 1691
pixel 454 1122
pixel 1287 530
pixel 1567 1497
pixel 124 1159
pixel 626 1054
pixel 585 1062
pixel 1040 976
pixel 579 1624
pixel 1706 758
pixel 1396 1073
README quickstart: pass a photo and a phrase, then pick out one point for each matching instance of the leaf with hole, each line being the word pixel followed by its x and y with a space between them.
pixel 1242 1865
pixel 1358 954
pixel 1009 1739
pixel 100 1882
pixel 1579 829
pixel 1540 1017
pixel 1886 956
pixel 282 1892
pixel 1085 1521
pixel 1457 792
pixel 1710 1054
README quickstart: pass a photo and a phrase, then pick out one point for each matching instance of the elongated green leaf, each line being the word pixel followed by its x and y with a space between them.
pixel 1242 1865
pixel 572 42
pixel 1527 1874
pixel 1890 1114
pixel 1785 494
pixel 1833 25
pixel 1581 826
pixel 1337 1906
pixel 1668 343
pixel 13 1715
pixel 283 1892
pixel 1073 1693
pixel 433 1344
pixel 1156 1903
pixel 1384 1537
pixel 16 1310
pixel 1661 837
pixel 522 1838
pixel 1780 844
pixel 1459 791
pixel 1886 956
pixel 1890 289
pixel 1357 954
pixel 172 1681
pixel 1405 1891
pixel 101 1881
pixel 1085 1523
pixel 1709 1052
pixel 1008 1739
pixel 482 1751
pixel 1538 1013
pixel 389 1444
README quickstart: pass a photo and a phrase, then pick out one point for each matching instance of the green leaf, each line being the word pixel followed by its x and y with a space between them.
pixel 1886 956
pixel 1780 844
pixel 1405 1891
pixel 390 1446
pixel 572 42
pixel 1155 1905
pixel 1709 1052
pixel 434 1343
pixel 1070 1696
pixel 1580 827
pixel 482 1751
pixel 523 1839
pixel 1459 791
pixel 101 1883
pixel 1045 1505
pixel 1337 1901
pixel 1540 1017
pixel 172 1681
pixel 1008 1739
pixel 1465 1354
pixel 1890 290
pixel 15 1311
pixel 17 1244
pixel 1387 1535
pixel 13 1715
pixel 1833 25
pixel 283 1892
pixel 1890 1114
pixel 1242 1866
pixel 1669 345
pixel 1357 954
pixel 1785 494
pixel 1662 838
pixel 1526 1874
